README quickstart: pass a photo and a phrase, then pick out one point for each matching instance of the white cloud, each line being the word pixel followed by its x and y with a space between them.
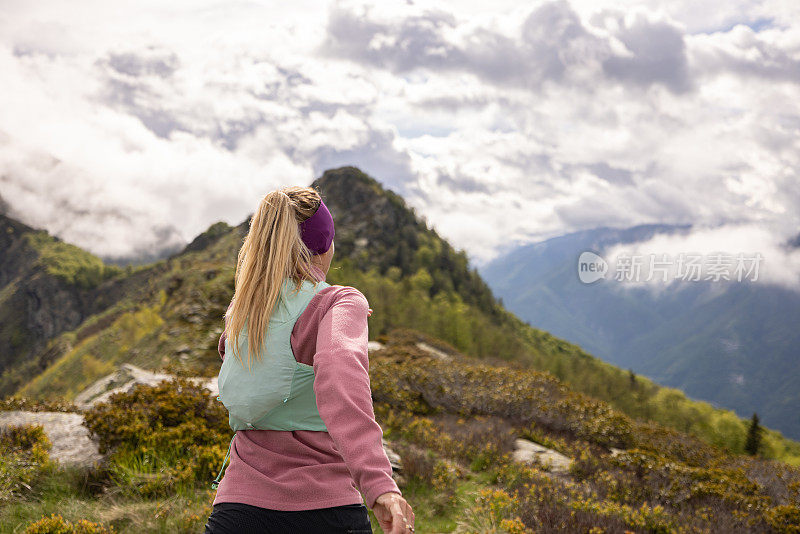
pixel 499 122
pixel 765 258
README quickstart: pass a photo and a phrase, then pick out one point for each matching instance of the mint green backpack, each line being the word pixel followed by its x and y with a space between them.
pixel 277 392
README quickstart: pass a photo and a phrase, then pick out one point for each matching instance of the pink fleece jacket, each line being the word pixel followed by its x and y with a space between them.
pixel 304 469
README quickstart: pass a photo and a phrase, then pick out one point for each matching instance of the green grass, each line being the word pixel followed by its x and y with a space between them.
pixel 187 511
pixel 68 492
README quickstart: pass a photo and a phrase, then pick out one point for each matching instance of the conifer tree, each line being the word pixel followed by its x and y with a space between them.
pixel 753 442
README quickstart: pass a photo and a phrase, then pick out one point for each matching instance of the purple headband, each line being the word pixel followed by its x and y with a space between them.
pixel 317 231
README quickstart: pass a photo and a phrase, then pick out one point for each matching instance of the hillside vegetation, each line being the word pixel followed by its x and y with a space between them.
pixel 453 420
pixel 168 315
pixel 731 343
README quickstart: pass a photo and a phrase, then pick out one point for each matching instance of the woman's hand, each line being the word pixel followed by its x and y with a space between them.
pixel 394 514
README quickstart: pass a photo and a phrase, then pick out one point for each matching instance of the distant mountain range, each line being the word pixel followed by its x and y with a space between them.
pixel 736 345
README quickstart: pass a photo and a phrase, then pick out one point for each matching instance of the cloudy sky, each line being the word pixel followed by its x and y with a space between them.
pixel 127 128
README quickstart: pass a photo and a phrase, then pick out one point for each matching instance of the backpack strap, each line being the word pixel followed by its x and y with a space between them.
pixel 216 481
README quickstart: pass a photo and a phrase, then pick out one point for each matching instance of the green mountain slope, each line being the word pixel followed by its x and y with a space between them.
pixel 732 344
pixel 46 287
pixel 168 314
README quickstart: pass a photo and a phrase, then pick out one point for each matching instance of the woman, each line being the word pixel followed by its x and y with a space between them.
pixel 300 467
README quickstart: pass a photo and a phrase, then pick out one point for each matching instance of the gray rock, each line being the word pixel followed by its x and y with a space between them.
pixel 71 442
pixel 121 380
pixel 209 383
pixel 553 461
pixel 436 353
pixel 394 458
pixel 125 378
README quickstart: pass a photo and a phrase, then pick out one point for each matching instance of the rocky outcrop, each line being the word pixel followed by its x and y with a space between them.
pixel 71 442
pixel 396 463
pixel 615 451
pixel 552 461
pixel 126 378
pixel 432 351
pixel 120 381
pixel 394 458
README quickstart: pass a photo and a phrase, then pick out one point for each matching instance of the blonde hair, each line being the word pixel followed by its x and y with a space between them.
pixel 272 252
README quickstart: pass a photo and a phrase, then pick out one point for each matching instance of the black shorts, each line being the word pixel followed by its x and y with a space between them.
pixel 237 518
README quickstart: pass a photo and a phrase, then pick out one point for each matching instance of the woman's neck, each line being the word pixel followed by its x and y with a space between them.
pixel 318 269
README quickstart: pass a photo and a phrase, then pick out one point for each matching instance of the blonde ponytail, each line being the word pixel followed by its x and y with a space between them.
pixel 272 252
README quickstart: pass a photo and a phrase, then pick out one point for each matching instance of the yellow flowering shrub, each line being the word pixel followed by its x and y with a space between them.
pixel 784 519
pixel 23 458
pixel 493 511
pixel 161 437
pixel 55 524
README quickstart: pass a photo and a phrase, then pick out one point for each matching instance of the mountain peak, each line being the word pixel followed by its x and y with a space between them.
pixel 373 225
pixel 348 190
pixel 376 230
pixel 348 175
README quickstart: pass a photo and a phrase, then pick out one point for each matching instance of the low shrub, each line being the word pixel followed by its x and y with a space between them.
pixel 445 481
pixel 785 519
pixel 425 385
pixel 31 405
pixel 417 462
pixel 161 438
pixel 493 511
pixel 425 467
pixel 23 458
pixel 55 524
